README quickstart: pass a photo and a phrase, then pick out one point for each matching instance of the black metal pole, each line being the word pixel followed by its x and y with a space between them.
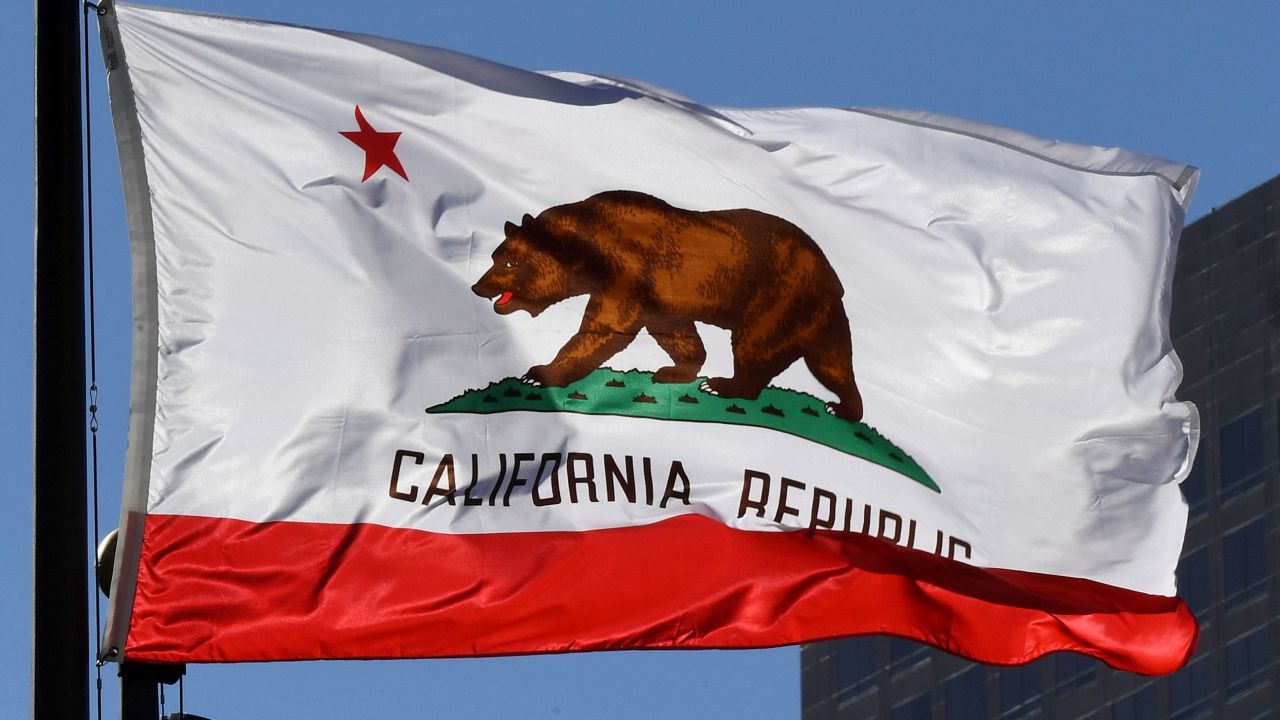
pixel 60 628
pixel 139 692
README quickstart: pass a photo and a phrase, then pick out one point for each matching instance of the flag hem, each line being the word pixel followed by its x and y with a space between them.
pixel 138 212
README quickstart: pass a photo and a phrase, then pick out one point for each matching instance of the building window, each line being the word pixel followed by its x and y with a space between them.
pixel 1193 580
pixel 1196 485
pixel 1191 691
pixel 1244 563
pixel 1020 690
pixel 1240 451
pixel 905 654
pixel 965 695
pixel 1072 671
pixel 917 708
pixel 815 676
pixel 1248 659
pixel 1138 706
pixel 856 667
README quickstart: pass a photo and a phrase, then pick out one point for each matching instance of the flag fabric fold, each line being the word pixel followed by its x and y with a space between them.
pixel 436 357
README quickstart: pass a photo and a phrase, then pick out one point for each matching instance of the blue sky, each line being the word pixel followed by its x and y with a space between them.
pixel 1193 82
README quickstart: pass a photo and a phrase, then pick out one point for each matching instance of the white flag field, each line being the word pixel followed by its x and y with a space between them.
pixel 436 357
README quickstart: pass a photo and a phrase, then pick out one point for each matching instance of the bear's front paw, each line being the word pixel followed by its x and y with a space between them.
pixel 547 376
pixel 675 374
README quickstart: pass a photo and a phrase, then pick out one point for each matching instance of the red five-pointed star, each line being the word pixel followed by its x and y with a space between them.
pixel 379 147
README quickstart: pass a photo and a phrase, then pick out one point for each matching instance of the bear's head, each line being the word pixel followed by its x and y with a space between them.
pixel 533 269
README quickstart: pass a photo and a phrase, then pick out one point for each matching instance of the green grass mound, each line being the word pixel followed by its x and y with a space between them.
pixel 634 394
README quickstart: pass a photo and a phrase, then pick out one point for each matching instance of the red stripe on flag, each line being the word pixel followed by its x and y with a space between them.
pixel 216 590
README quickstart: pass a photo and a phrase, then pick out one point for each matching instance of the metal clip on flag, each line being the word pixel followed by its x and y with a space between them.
pixel 437 357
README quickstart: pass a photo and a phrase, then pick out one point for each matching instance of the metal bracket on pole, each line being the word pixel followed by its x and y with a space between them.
pixel 140 688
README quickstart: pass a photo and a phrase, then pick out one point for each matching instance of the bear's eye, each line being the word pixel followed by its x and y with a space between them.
pixel 512 263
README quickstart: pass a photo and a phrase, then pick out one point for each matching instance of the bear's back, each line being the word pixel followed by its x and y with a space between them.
pixel 705 264
pixel 743 225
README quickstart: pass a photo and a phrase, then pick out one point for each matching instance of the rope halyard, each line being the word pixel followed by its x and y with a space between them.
pixel 93 350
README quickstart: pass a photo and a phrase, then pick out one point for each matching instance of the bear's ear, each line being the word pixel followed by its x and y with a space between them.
pixel 527 220
pixel 509 228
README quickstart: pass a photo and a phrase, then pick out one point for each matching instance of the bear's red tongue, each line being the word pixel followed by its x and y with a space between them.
pixel 505 298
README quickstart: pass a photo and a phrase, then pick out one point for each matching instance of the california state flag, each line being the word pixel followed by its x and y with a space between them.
pixel 438 357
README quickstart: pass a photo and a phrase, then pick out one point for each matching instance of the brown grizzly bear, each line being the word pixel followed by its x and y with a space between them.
pixel 648 265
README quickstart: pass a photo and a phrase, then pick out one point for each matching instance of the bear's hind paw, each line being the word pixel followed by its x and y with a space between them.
pixel 844 411
pixel 732 388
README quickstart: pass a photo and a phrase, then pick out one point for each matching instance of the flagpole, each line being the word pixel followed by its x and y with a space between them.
pixel 60 627
pixel 139 692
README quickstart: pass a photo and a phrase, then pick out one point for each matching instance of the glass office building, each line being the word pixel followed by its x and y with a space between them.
pixel 1226 328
